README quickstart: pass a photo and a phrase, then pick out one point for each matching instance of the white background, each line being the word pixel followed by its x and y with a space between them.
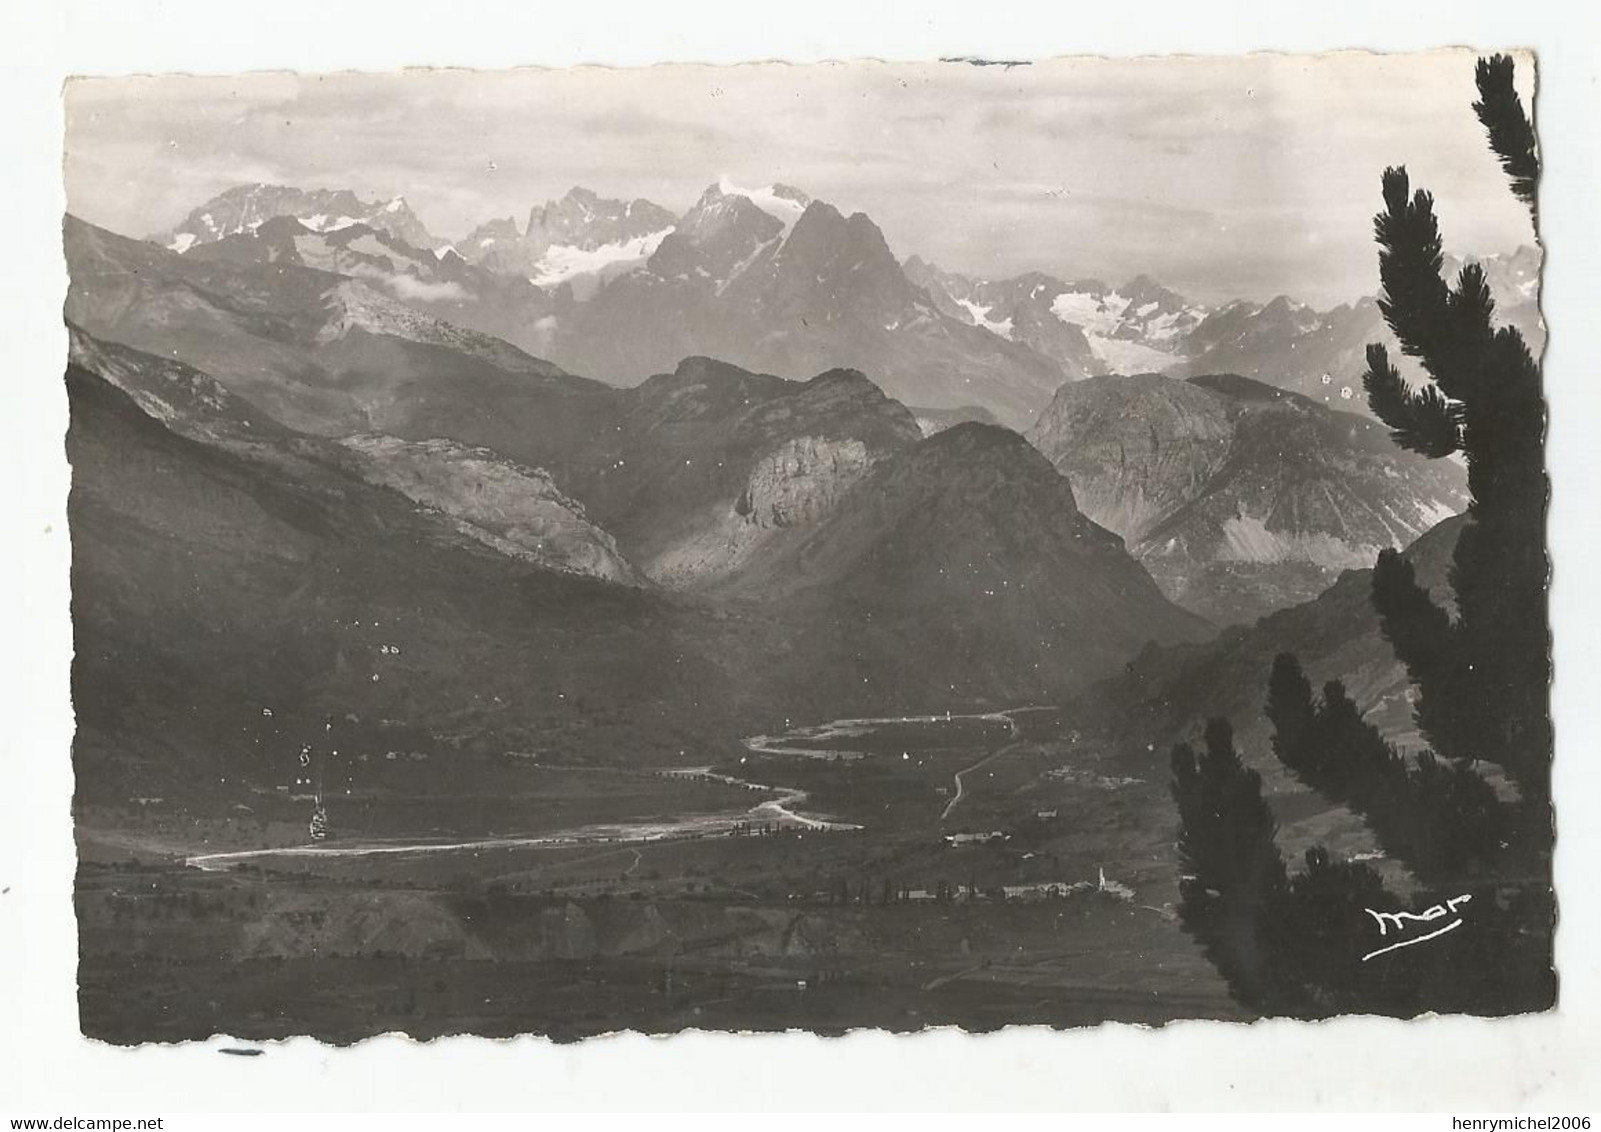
pixel 1527 1066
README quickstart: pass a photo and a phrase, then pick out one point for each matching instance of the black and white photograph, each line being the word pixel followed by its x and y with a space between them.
pixel 568 551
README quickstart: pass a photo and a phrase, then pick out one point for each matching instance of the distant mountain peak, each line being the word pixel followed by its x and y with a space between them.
pixel 245 208
pixel 784 203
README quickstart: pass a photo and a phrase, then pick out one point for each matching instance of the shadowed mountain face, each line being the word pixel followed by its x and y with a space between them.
pixel 793 292
pixel 1238 497
pixel 210 583
pixel 440 594
pixel 1160 697
pixel 968 547
pixel 516 510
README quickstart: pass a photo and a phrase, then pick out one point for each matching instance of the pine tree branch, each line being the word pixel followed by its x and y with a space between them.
pixel 1510 131
pixel 1420 420
pixel 1442 820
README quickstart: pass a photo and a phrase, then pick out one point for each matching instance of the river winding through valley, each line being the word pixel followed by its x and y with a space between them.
pixel 785 810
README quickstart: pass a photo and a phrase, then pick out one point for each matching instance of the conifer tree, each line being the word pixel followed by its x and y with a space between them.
pixel 1481 676
pixel 1233 876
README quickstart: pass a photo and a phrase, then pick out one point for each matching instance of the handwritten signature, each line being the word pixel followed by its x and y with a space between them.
pixel 1399 920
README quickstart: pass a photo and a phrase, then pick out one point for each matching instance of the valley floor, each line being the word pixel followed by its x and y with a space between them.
pixel 898 873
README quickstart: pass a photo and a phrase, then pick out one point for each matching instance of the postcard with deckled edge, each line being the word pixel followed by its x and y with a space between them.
pixel 976 543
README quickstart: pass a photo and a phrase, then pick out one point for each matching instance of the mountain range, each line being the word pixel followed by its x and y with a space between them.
pixel 796 287
pixel 290 481
pixel 1143 327
pixel 774 281
pixel 1237 500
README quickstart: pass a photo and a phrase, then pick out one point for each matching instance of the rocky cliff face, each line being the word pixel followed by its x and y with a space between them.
pixel 1239 497
pixel 1136 449
pixel 516 510
pixel 790 488
pixel 711 461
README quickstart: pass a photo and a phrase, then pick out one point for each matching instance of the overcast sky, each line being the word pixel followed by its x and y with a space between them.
pixel 1244 177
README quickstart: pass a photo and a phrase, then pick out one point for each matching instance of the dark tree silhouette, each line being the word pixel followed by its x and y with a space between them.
pixel 1482 677
pixel 1234 877
pixel 1511 132
pixel 1481 674
pixel 1442 819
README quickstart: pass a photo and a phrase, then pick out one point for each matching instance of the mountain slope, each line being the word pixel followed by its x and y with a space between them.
pixel 443 286
pixel 966 552
pixel 704 464
pixel 516 510
pixel 229 597
pixel 326 353
pixel 1239 497
pixel 1166 694
pixel 234 587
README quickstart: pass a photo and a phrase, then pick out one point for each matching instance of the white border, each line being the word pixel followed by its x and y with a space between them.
pixel 1529 1066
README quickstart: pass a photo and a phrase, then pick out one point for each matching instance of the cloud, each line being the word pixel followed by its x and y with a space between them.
pixel 412 289
pixel 1205 172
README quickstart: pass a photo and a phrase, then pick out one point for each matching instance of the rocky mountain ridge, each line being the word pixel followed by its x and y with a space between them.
pixel 1239 497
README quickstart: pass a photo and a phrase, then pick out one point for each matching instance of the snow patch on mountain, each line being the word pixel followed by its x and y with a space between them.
pixel 1094 314
pixel 781 203
pixel 1123 356
pixel 562 262
pixel 981 317
pixel 1168 327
